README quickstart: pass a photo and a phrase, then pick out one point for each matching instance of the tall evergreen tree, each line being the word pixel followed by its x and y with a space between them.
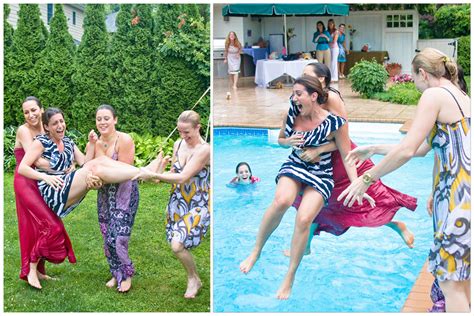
pixel 28 43
pixel 92 72
pixel 132 60
pixel 54 69
pixel 8 118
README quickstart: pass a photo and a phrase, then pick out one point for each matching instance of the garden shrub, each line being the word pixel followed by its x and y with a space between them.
pixel 368 77
pixel 148 146
pixel 9 135
pixel 404 93
pixel 464 54
pixel 453 21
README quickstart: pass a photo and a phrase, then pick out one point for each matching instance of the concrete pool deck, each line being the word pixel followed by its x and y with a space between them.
pixel 252 106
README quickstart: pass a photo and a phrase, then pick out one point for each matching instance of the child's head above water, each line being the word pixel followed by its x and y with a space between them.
pixel 243 172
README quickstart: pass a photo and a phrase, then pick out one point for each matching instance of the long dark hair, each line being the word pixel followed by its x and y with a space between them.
pixel 323 71
pixel 324 27
pixel 48 114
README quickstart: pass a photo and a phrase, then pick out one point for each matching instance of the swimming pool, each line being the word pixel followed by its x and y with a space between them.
pixel 363 270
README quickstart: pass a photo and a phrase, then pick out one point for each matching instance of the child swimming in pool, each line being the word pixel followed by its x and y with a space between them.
pixel 244 174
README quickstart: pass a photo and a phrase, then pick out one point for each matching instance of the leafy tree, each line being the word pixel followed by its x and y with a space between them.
pixel 8 117
pixel 92 72
pixel 464 54
pixel 453 21
pixel 132 63
pixel 54 69
pixel 28 43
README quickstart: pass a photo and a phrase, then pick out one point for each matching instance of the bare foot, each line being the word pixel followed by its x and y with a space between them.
pixel 111 283
pixel 247 264
pixel 286 252
pixel 33 279
pixel 285 288
pixel 45 277
pixel 194 284
pixel 125 285
pixel 405 233
pixel 235 87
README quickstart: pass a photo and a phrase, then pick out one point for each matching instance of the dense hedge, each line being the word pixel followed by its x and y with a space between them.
pixel 453 21
pixel 149 70
pixel 464 54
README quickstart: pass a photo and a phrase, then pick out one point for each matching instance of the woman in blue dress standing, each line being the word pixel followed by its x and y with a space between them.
pixel 341 42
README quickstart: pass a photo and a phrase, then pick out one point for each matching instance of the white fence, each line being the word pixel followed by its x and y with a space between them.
pixel 446 45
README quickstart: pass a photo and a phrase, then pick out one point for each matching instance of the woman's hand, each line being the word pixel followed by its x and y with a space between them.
pixel 93 182
pixel 295 140
pixel 359 154
pixel 355 192
pixel 56 182
pixel 429 204
pixel 71 169
pixel 310 155
pixel 93 137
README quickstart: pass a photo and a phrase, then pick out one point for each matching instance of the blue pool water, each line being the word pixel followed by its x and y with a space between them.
pixel 363 270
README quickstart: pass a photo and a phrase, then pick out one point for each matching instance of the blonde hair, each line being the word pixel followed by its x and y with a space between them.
pixel 437 64
pixel 190 116
pixel 236 41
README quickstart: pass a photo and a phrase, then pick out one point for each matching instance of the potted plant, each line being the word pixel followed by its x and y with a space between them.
pixel 393 69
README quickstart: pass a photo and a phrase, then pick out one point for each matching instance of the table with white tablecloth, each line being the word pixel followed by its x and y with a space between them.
pixel 268 70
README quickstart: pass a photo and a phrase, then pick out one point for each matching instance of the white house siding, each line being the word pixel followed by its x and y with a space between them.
pixel 222 28
pixel 253 25
pixel 440 44
pixel 75 30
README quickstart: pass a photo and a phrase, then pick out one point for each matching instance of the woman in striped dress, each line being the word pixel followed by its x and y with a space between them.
pixel 443 120
pixel 63 191
pixel 313 127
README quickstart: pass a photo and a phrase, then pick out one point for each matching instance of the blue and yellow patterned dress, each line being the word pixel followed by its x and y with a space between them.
pixel 188 216
pixel 449 257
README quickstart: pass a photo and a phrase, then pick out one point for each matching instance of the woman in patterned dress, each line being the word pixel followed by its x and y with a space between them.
pixel 232 51
pixel 41 233
pixel 117 203
pixel 443 119
pixel 313 127
pixel 188 216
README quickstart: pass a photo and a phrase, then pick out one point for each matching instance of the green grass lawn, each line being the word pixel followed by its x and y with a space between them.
pixel 159 282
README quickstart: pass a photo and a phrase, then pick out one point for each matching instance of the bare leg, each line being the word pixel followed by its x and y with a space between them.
pixel 307 250
pixel 342 69
pixel 403 231
pixel 236 78
pixel 310 206
pixel 285 194
pixel 109 170
pixel 111 283
pixel 186 259
pixel 33 276
pixel 455 296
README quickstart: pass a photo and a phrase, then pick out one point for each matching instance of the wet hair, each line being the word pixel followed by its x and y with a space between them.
pixel 190 116
pixel 107 107
pixel 320 22
pixel 323 71
pixel 48 114
pixel 236 41
pixel 461 81
pixel 240 164
pixel 312 85
pixel 437 64
pixel 33 98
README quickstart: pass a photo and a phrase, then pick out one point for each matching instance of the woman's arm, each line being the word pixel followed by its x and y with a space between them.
pixel 334 37
pixel 197 162
pixel 293 140
pixel 315 37
pixel 79 156
pixel 343 143
pixel 32 154
pixel 425 118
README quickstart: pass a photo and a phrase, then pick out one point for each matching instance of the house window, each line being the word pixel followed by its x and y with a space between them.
pixel 50 12
pixel 73 17
pixel 399 20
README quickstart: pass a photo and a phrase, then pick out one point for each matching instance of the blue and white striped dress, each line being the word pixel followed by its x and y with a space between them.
pixel 59 162
pixel 317 175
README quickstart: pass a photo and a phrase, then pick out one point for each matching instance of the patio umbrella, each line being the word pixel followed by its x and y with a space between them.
pixel 284 9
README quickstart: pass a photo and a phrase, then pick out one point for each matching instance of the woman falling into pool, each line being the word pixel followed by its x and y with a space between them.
pixel 336 218
pixel 313 127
